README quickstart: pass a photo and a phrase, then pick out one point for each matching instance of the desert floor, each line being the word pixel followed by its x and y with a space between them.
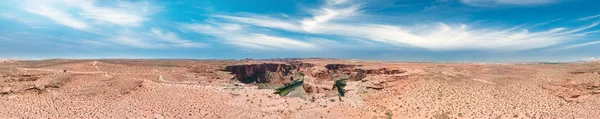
pixel 119 88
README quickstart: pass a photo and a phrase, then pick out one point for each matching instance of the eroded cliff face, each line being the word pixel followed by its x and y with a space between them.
pixel 262 73
pixel 280 73
pixel 352 72
pixel 384 71
pixel 35 82
pixel 335 67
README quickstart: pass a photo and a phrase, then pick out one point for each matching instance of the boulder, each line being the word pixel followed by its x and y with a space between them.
pixel 5 90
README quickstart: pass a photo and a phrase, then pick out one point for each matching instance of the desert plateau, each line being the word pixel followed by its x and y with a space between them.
pixel 243 89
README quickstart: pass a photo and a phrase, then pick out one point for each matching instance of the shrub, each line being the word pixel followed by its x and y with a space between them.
pixel 285 90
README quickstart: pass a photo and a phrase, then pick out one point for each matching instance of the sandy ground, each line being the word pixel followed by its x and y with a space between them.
pixel 201 89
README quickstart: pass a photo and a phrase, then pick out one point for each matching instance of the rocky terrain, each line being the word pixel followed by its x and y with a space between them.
pixel 120 88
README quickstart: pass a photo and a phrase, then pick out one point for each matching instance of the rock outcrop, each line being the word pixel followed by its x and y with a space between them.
pixel 585 72
pixel 19 77
pixel 38 83
pixel 384 71
pixel 262 73
pixel 283 73
pixel 354 72
pixel 570 91
pixel 300 65
pixel 336 67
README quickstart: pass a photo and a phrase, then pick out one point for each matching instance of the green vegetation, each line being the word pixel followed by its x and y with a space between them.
pixel 340 84
pixel 285 90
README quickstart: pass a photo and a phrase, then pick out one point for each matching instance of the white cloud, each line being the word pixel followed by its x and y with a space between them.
pixel 93 42
pixel 332 10
pixel 434 36
pixel 544 23
pixel 335 2
pixel 589 17
pixel 32 23
pixel 591 59
pixel 133 41
pixel 482 3
pixel 173 39
pixel 55 14
pixel 154 39
pixel 581 45
pixel 262 21
pixel 327 14
pixel 125 13
pixel 332 19
pixel 235 35
pixel 108 18
pixel 82 14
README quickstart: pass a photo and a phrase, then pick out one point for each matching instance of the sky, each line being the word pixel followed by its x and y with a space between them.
pixel 389 30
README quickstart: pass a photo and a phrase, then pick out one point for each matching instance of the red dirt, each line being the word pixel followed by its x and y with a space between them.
pixel 208 89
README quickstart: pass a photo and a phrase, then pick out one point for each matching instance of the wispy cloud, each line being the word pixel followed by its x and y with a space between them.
pixel 263 21
pixel 333 19
pixel 589 59
pixel 589 17
pixel 236 35
pixel 55 14
pixel 32 23
pixel 82 14
pixel 335 2
pixel 93 43
pixel 229 29
pixel 133 41
pixel 334 9
pixel 125 13
pixel 544 23
pixel 484 3
pixel 154 39
pixel 114 21
pixel 173 39
pixel 581 45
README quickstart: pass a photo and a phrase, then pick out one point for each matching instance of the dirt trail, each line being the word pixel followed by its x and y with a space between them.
pixel 52 70
pixel 73 72
pixel 96 66
pixel 98 69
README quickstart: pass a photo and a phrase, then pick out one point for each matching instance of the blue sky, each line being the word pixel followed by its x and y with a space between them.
pixel 393 30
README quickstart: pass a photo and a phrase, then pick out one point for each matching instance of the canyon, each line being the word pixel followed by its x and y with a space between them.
pixel 127 88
